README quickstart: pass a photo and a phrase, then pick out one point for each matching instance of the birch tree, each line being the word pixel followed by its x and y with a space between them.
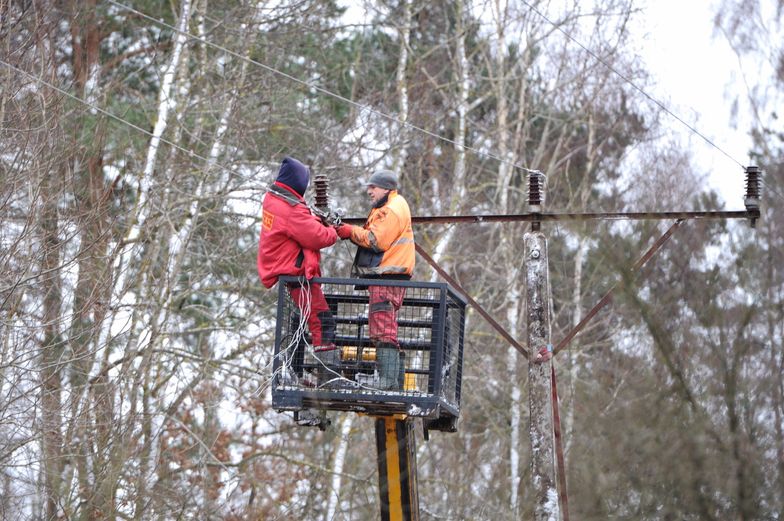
pixel 136 340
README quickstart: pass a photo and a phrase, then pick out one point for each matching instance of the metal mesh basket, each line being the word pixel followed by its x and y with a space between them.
pixel 430 324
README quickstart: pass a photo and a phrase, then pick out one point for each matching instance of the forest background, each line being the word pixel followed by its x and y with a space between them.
pixel 138 139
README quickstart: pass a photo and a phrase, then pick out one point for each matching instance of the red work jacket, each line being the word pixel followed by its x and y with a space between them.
pixel 291 237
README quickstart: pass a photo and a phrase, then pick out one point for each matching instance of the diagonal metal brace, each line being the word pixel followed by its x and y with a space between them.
pixel 490 320
pixel 608 296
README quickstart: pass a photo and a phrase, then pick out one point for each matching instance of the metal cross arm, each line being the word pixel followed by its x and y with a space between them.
pixel 751 213
pixel 751 202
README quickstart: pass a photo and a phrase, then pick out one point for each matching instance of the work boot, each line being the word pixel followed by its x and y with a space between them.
pixel 401 377
pixel 328 358
pixel 388 365
pixel 327 355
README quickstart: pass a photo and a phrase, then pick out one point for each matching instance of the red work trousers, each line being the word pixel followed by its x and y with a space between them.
pixel 385 301
pixel 311 302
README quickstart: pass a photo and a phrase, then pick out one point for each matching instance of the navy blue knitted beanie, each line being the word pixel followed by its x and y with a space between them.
pixel 294 174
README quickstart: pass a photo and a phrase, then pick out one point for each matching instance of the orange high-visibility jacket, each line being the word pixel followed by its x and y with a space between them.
pixel 386 242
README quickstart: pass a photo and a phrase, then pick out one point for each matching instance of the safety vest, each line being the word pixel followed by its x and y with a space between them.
pixel 386 241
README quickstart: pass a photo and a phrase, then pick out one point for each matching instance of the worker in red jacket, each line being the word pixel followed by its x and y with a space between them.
pixel 291 237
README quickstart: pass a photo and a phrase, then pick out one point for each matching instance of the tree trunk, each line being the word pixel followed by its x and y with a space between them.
pixel 52 344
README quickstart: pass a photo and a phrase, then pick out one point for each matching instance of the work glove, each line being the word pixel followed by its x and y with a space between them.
pixel 344 231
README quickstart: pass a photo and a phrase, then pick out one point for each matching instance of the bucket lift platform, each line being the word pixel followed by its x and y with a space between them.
pixel 431 325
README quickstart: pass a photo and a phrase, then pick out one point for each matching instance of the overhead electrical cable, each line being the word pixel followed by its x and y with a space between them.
pixel 772 188
pixel 630 82
pixel 352 102
pixel 118 118
pixel 394 119
pixel 323 90
pixel 442 219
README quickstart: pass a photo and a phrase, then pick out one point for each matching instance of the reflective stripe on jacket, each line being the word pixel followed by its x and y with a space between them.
pixel 386 241
pixel 291 237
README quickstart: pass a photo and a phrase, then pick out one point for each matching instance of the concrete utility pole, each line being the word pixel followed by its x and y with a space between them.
pixel 539 383
pixel 537 279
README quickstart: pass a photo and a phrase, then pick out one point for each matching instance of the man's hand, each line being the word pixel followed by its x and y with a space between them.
pixel 344 231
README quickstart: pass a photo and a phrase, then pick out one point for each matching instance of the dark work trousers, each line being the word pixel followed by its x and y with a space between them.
pixel 320 321
pixel 385 302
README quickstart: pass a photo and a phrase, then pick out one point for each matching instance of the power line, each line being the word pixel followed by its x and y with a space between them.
pixel 121 120
pixel 324 91
pixel 443 219
pixel 351 102
pixel 630 82
pixel 770 188
pixel 389 117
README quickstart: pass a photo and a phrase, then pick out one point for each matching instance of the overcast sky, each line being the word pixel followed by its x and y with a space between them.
pixel 698 74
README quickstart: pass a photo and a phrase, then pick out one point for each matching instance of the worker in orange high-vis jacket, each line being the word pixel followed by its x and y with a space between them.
pixel 385 251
